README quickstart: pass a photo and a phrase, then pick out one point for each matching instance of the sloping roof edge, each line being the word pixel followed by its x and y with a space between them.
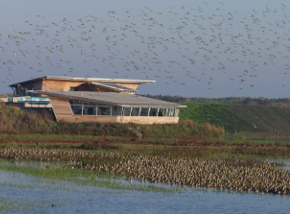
pixel 110 98
pixel 84 80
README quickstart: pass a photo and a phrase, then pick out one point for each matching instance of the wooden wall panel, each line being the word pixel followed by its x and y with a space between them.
pixel 61 85
pixel 87 118
pixel 116 119
pixel 57 85
pixel 149 120
pixel 60 107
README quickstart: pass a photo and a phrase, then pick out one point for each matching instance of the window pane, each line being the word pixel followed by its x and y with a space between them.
pixel 177 113
pixel 108 110
pixel 144 111
pixel 161 112
pixel 116 110
pixel 89 110
pixel 135 112
pixel 153 112
pixel 126 111
pixel 170 112
pixel 104 110
pixel 76 109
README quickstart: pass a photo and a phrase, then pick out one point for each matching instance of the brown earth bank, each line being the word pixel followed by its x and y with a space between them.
pixel 233 174
pixel 203 143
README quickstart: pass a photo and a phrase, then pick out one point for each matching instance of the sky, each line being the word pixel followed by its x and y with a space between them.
pixel 192 48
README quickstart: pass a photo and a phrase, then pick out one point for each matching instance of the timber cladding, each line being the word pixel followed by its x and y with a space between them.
pixel 59 85
pixel 61 108
pixel 117 119
pixel 65 85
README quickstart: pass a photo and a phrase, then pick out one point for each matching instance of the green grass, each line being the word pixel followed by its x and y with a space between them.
pixel 239 118
pixel 263 118
pixel 83 178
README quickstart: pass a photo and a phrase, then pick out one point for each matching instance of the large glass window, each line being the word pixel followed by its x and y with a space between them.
pixel 86 108
pixel 135 111
pixel 89 110
pixel 104 110
pixel 144 111
pixel 177 113
pixel 126 111
pixel 116 110
pixel 162 112
pixel 77 109
pixel 153 112
pixel 170 112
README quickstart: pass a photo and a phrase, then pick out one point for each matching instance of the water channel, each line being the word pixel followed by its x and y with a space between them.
pixel 26 193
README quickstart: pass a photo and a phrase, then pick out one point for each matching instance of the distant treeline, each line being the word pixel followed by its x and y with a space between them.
pixel 227 100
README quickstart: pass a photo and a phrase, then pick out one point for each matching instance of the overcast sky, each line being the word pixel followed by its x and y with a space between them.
pixel 191 48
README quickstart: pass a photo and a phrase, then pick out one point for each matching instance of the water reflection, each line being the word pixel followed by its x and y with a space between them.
pixel 21 193
pixel 285 163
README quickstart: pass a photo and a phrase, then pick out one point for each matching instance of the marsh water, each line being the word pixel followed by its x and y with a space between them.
pixel 26 193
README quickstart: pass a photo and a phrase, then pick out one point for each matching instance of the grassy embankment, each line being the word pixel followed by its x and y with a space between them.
pixel 240 118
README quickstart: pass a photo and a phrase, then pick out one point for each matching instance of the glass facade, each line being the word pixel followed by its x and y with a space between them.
pixel 135 111
pixel 170 112
pixel 144 112
pixel 126 111
pixel 162 112
pixel 87 108
pixel 104 110
pixel 153 112
pixel 76 110
pixel 116 110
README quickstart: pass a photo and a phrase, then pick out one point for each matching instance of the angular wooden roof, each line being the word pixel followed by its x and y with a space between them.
pixel 111 98
pixel 81 79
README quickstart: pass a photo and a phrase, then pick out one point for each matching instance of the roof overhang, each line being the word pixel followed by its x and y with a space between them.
pixel 80 79
pixel 111 98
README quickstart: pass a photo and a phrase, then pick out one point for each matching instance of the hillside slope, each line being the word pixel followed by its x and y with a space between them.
pixel 240 118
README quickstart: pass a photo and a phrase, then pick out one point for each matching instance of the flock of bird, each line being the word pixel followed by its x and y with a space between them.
pixel 236 175
pixel 183 46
